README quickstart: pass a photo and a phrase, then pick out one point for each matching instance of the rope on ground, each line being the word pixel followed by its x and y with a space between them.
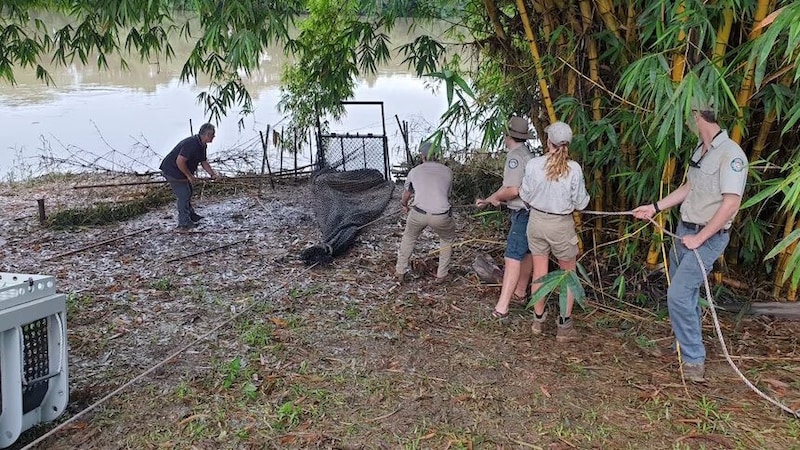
pixel 152 369
pixel 717 327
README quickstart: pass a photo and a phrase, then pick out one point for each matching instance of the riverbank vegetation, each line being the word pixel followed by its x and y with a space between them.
pixel 622 74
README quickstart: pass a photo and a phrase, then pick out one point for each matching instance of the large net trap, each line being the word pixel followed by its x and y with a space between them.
pixel 344 203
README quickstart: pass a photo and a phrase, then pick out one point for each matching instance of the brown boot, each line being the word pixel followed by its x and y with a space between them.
pixel 566 331
pixel 538 324
pixel 694 372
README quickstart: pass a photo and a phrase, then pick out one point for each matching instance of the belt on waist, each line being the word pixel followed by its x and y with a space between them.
pixel 697 227
pixel 422 211
pixel 552 214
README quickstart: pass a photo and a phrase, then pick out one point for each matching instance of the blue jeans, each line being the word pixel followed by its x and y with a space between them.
pixel 683 295
pixel 183 192
pixel 517 241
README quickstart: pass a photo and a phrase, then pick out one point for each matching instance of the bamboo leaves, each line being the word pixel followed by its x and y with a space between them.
pixel 565 282
pixel 423 54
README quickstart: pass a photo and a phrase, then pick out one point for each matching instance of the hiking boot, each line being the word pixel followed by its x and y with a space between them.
pixel 195 217
pixel 566 331
pixel 538 324
pixel 694 372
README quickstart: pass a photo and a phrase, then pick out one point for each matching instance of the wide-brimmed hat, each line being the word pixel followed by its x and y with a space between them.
pixel 559 133
pixel 518 128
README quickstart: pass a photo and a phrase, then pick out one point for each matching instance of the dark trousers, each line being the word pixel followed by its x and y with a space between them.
pixel 183 192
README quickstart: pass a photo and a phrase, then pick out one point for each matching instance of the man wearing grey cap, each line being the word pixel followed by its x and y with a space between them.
pixel 709 199
pixel 430 184
pixel 517 257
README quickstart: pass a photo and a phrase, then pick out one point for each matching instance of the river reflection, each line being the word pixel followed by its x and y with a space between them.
pixel 129 119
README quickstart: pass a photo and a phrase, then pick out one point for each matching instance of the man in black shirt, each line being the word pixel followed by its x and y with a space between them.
pixel 179 167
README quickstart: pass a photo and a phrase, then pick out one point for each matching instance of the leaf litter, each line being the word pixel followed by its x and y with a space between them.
pixel 344 356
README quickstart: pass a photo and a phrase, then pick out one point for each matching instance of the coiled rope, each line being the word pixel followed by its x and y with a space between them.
pixel 717 327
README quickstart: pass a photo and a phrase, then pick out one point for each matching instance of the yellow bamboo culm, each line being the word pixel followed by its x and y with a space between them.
pixel 656 247
pixel 548 102
pixel 791 291
pixel 630 25
pixel 723 35
pixel 679 63
pixel 743 99
pixel 783 257
pixel 678 66
pixel 606 10
pixel 597 115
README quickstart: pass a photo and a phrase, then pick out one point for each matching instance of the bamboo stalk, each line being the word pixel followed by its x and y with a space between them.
pixel 547 22
pixel 678 67
pixel 491 11
pixel 606 10
pixel 265 161
pixel 723 36
pixel 545 92
pixel 656 247
pixel 791 291
pixel 743 99
pixel 783 257
pixel 630 24
pixel 594 75
pixel 679 63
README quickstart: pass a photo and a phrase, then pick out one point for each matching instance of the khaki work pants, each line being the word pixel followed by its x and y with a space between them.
pixel 443 225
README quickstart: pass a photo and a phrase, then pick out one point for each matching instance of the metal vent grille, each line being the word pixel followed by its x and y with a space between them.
pixel 36 363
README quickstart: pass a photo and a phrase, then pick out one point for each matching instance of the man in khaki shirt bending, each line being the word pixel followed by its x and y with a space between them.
pixel 430 184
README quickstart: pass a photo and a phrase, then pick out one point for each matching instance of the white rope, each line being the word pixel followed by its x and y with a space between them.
pixel 177 353
pixel 717 327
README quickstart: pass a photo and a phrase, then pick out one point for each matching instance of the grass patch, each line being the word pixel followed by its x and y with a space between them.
pixel 106 213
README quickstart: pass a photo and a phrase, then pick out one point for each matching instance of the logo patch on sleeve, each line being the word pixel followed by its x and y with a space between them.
pixel 513 163
pixel 737 164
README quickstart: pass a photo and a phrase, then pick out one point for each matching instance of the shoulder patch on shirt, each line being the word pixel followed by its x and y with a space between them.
pixel 737 164
pixel 513 163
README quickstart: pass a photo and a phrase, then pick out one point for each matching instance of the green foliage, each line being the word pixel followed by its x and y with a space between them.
pixel 163 284
pixel 232 36
pixel 256 334
pixel 105 213
pixel 477 179
pixel 563 281
pixel 333 47
pixel 289 415
pixel 231 372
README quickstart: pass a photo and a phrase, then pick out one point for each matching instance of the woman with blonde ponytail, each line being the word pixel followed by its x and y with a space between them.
pixel 553 187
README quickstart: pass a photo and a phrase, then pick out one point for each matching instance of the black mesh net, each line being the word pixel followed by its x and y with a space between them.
pixel 344 203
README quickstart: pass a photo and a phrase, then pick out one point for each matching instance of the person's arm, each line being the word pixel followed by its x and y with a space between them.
pixel 675 198
pixel 207 167
pixel 405 199
pixel 181 163
pixel 502 195
pixel 726 211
